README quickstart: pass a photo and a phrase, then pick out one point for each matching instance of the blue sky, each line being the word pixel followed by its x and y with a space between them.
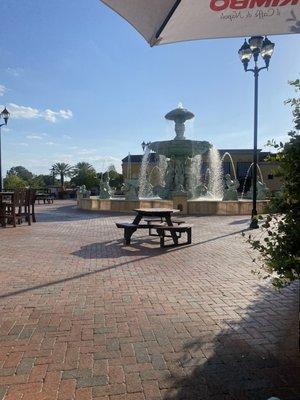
pixel 83 85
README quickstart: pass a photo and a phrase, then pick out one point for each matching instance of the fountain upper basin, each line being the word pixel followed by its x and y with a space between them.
pixel 181 148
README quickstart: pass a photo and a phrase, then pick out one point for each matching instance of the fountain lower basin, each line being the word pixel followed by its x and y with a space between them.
pixel 188 207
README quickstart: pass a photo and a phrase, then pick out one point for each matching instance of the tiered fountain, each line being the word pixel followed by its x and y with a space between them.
pixel 180 184
pixel 180 153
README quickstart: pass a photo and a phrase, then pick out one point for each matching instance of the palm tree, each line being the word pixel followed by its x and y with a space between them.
pixel 83 166
pixel 63 170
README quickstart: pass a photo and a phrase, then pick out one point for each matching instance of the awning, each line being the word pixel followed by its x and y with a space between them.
pixel 167 21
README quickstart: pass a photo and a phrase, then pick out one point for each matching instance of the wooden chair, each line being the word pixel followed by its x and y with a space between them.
pixel 15 210
pixel 31 196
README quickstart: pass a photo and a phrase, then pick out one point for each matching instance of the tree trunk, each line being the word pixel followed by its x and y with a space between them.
pixel 62 179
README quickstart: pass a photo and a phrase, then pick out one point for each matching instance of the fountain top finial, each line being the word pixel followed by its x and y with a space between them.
pixel 179 115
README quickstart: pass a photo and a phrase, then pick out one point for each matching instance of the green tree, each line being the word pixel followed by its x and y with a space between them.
pixel 111 168
pixel 63 170
pixel 13 182
pixel 21 172
pixel 279 249
pixel 48 179
pixel 83 166
pixel 38 182
pixel 116 180
pixel 85 174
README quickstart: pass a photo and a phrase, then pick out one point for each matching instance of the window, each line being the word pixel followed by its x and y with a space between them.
pixel 270 177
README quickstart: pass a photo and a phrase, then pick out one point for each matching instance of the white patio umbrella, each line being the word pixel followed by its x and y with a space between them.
pixel 167 21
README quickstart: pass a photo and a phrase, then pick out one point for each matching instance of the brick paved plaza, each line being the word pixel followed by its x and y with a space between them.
pixel 84 318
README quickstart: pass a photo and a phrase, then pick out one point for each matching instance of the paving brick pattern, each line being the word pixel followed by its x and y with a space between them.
pixel 84 318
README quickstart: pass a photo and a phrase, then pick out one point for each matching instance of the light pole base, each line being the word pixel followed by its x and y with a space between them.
pixel 254 224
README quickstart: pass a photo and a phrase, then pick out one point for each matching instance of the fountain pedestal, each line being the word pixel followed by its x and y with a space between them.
pixel 179 151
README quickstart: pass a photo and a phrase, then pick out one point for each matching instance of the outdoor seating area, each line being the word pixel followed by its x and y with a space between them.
pixel 17 207
pixel 84 317
pixel 162 226
pixel 149 200
pixel 44 196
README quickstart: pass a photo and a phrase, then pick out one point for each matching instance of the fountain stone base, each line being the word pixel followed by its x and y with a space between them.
pixel 187 207
pixel 121 205
pixel 219 207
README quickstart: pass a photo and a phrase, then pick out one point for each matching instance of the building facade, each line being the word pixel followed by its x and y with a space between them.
pixel 241 158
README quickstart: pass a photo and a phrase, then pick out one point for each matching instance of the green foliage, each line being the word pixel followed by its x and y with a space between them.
pixel 116 180
pixel 85 174
pixel 279 248
pixel 83 166
pixel 12 182
pixel 21 172
pixel 47 180
pixel 41 181
pixel 63 170
pixel 28 179
pixel 82 173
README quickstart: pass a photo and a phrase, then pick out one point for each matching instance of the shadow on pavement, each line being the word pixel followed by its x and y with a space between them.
pixel 140 244
pixel 240 221
pixel 59 212
pixel 253 359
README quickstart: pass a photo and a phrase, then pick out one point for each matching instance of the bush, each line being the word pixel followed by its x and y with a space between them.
pixel 279 248
pixel 13 182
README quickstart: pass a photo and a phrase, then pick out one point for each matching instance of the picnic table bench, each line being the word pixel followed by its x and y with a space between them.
pixel 163 226
pixel 177 229
pixel 154 222
pixel 45 197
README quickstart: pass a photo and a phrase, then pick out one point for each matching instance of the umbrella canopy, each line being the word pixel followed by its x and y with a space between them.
pixel 167 21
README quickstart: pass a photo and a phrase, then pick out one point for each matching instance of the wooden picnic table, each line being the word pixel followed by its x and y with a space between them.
pixel 165 216
pixel 163 213
pixel 45 197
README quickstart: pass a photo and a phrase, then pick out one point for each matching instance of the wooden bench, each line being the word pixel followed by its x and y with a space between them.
pixel 160 221
pixel 183 228
pixel 129 229
pixel 44 197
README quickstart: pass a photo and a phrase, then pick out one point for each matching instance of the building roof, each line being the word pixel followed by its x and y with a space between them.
pixel 261 154
pixel 137 158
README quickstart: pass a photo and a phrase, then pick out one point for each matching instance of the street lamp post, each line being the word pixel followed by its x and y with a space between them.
pixel 5 115
pixel 53 175
pixel 256 46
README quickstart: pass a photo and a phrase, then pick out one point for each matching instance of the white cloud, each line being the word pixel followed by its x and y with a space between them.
pixel 2 90
pixel 23 144
pixel 105 159
pixel 24 112
pixel 34 136
pixel 14 71
pixel 85 152
pixel 67 158
pixel 66 137
pixel 50 144
pixel 52 116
